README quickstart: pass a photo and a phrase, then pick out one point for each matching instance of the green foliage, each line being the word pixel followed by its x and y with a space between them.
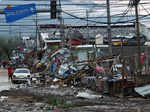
pixel 6 46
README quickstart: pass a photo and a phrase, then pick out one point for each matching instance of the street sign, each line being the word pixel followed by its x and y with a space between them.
pixel 13 14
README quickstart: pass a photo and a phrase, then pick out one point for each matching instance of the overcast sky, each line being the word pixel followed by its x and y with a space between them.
pixel 74 8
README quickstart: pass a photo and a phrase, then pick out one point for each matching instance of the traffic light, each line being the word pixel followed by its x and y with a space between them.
pixel 53 9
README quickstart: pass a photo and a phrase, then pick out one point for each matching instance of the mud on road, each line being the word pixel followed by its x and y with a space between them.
pixel 62 99
pixel 46 99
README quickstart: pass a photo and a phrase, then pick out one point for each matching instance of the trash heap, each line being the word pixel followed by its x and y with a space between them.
pixel 61 67
pixel 61 64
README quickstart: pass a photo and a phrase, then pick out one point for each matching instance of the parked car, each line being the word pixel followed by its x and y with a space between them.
pixel 21 75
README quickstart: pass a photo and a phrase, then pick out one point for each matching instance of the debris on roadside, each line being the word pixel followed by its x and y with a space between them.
pixel 88 95
pixel 3 98
pixel 143 91
pixel 79 67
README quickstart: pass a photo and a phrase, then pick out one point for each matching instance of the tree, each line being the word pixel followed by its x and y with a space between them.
pixel 6 46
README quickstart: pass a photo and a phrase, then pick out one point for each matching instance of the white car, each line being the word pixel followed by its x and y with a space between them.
pixel 21 75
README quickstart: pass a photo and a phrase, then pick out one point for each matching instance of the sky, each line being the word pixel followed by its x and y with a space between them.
pixel 73 10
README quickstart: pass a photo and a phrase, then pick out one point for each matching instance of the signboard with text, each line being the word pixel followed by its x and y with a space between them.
pixel 13 14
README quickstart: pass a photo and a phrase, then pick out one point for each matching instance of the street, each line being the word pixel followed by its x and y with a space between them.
pixel 5 84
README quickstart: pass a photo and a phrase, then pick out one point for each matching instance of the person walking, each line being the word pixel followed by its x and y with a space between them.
pixel 10 72
pixel 4 64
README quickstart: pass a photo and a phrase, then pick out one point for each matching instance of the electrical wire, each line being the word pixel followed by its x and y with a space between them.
pixel 145 9
pixel 131 3
pixel 124 13
pixel 84 19
pixel 75 17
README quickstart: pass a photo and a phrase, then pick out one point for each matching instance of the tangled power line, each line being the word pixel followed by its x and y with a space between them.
pixel 96 19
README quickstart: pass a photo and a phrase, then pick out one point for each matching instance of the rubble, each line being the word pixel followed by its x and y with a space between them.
pixel 87 95
pixel 3 98
pixel 61 78
pixel 61 67
pixel 143 91
pixel 35 100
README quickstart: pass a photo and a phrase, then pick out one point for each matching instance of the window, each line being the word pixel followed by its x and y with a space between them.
pixel 22 71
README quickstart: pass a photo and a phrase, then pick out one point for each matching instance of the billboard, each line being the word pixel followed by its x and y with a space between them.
pixel 13 14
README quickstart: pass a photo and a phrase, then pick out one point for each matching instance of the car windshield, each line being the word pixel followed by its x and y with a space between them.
pixel 21 71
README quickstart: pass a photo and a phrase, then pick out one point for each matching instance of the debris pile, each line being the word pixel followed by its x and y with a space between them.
pixel 95 71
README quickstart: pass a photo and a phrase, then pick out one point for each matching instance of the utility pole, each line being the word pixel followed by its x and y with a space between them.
pixel 37 39
pixel 109 27
pixel 121 53
pixel 9 29
pixel 87 16
pixel 134 3
pixel 20 34
pixel 61 25
pixel 138 38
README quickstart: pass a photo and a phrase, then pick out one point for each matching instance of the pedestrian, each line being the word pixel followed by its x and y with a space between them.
pixel 10 72
pixel 4 64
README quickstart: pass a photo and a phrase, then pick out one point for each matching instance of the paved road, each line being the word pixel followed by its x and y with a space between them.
pixel 5 84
